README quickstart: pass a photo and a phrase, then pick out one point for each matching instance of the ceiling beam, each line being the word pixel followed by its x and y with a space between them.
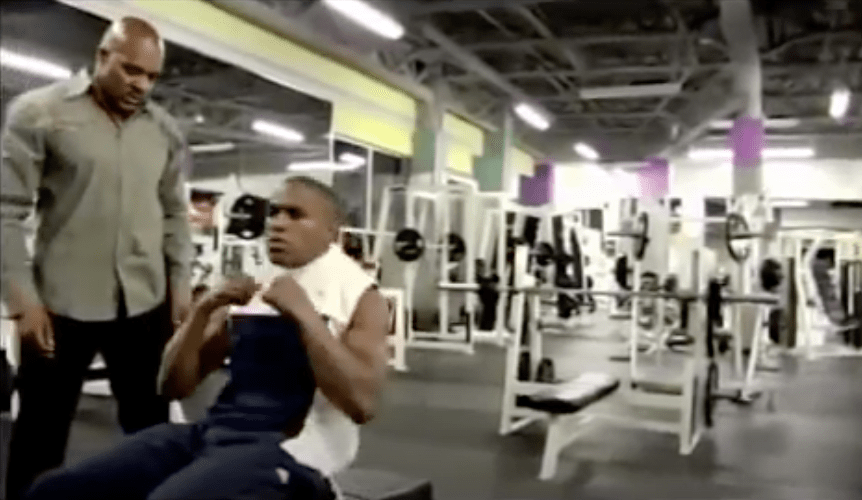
pixel 572 55
pixel 454 6
pixel 470 62
pixel 773 69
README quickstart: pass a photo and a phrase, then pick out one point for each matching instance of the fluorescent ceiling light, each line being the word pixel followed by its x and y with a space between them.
pixel 305 166
pixel 768 154
pixel 215 147
pixel 630 91
pixel 789 203
pixel 839 104
pixel 772 123
pixel 279 131
pixel 33 65
pixel 351 159
pixel 532 116
pixel 368 17
pixel 586 151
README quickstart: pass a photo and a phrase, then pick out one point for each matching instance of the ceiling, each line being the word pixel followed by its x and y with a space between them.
pixel 551 50
pixel 213 102
pixel 547 50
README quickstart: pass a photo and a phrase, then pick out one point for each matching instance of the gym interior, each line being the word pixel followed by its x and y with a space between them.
pixel 621 241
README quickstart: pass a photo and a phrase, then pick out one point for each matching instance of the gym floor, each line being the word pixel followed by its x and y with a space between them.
pixel 439 422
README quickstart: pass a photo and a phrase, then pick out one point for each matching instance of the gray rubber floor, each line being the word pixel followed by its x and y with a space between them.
pixel 440 420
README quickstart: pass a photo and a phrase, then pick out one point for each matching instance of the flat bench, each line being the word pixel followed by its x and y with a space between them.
pixel 562 403
pixel 571 396
pixel 366 484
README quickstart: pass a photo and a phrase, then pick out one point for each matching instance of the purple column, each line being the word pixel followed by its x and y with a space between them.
pixel 746 141
pixel 539 189
pixel 654 178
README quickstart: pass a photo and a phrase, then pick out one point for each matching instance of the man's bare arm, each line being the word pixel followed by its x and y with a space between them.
pixel 198 348
pixel 350 369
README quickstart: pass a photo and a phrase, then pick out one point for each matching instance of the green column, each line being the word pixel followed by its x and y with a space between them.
pixel 429 146
pixel 493 169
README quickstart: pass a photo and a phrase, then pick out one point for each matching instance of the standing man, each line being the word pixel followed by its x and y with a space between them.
pixel 103 168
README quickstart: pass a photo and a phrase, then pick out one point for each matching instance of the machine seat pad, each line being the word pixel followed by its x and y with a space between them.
pixel 365 484
pixel 572 396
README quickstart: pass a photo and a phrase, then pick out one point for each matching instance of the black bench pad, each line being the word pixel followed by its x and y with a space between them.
pixel 572 396
pixel 364 484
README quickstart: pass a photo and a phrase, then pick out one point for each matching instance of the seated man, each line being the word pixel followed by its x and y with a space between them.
pixel 308 356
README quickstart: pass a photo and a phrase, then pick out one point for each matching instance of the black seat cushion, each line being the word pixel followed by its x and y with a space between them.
pixel 363 484
pixel 571 396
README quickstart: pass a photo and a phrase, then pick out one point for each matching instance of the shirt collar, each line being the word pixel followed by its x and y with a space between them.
pixel 80 84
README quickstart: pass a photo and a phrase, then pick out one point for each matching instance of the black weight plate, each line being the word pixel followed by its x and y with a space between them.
pixel 710 398
pixel 457 247
pixel 735 225
pixel 642 240
pixel 251 223
pixel 544 253
pixel 409 245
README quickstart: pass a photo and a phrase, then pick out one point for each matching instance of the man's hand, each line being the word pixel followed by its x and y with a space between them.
pixel 287 296
pixel 181 303
pixel 34 328
pixel 237 290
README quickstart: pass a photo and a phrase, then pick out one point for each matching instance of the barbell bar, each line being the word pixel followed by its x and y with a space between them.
pixel 409 245
pixel 640 235
pixel 767 299
pixel 736 229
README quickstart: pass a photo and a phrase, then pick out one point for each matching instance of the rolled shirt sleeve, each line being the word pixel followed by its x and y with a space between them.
pixel 23 154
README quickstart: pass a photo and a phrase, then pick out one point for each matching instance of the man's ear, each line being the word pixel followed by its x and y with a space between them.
pixel 102 56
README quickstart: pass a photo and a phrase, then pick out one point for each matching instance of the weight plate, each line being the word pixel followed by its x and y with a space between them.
pixel 457 247
pixel 544 254
pixel 734 227
pixel 248 217
pixel 710 398
pixel 409 245
pixel 642 240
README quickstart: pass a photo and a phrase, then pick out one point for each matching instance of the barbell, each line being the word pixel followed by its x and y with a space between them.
pixel 764 298
pixel 640 235
pixel 409 246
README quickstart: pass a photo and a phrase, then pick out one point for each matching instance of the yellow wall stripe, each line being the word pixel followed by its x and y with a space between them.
pixel 522 163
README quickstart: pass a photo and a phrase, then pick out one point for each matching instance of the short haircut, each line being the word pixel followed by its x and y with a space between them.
pixel 326 191
pixel 121 30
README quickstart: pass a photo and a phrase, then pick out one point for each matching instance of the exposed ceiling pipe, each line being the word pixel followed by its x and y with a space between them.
pixel 472 63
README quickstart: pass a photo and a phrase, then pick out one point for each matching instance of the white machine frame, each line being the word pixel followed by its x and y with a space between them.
pixel 815 326
pixel 563 430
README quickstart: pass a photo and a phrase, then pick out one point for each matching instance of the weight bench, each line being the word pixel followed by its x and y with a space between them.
pixel 365 484
pixel 562 404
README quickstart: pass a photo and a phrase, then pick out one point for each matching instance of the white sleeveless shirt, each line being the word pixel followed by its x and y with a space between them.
pixel 334 283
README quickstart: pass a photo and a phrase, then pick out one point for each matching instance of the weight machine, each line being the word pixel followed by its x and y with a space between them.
pixel 428 211
pixel 827 320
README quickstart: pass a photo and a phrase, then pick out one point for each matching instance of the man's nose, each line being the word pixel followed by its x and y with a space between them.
pixel 142 84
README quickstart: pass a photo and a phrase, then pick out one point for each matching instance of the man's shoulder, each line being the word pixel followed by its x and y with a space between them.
pixel 35 102
pixel 167 122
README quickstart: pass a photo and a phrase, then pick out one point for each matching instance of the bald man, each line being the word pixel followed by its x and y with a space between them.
pixel 103 169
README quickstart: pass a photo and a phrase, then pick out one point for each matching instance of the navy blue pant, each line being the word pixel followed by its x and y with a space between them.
pixel 187 462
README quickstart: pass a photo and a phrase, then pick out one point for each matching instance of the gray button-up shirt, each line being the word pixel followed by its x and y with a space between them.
pixel 110 203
